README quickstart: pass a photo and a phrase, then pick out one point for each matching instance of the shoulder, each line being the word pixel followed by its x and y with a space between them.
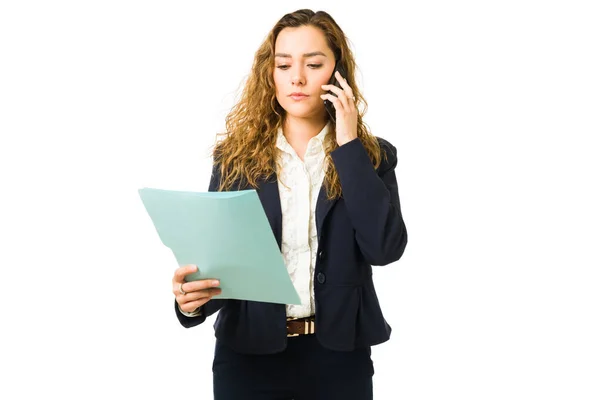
pixel 389 157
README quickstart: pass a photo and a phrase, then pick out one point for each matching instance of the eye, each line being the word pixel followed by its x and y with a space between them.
pixel 313 66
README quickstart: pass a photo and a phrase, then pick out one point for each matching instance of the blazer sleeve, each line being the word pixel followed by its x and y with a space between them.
pixel 371 197
pixel 213 305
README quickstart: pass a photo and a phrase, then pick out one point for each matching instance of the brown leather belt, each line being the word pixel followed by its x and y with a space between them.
pixel 300 326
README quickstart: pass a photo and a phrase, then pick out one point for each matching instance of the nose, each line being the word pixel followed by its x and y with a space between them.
pixel 297 77
pixel 297 81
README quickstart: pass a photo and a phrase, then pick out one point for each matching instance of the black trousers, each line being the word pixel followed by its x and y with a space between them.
pixel 304 371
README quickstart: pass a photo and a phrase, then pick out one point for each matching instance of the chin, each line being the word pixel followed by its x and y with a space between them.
pixel 308 115
pixel 302 112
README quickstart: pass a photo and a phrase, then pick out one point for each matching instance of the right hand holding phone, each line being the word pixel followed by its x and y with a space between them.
pixel 196 293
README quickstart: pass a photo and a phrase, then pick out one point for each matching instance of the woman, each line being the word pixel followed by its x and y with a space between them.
pixel 329 190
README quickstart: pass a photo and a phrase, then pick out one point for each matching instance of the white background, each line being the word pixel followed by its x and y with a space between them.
pixel 493 106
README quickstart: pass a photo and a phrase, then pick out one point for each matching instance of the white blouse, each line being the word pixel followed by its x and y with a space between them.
pixel 299 183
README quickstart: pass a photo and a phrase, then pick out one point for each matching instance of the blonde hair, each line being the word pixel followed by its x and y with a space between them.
pixel 248 151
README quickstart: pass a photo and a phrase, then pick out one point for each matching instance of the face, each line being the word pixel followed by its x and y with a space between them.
pixel 303 62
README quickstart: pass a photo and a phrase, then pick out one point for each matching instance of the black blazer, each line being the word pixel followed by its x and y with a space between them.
pixel 362 228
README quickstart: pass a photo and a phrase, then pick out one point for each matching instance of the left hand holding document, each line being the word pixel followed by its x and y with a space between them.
pixel 228 236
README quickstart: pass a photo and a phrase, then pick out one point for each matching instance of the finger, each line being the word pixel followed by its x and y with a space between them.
pixel 181 272
pixel 191 306
pixel 194 286
pixel 177 288
pixel 193 296
pixel 183 299
pixel 335 100
pixel 200 285
pixel 345 85
pixel 333 88
pixel 340 94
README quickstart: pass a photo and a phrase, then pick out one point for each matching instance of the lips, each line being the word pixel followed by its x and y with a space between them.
pixel 298 96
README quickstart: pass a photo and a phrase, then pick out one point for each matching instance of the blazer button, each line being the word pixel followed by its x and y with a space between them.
pixel 321 277
pixel 321 255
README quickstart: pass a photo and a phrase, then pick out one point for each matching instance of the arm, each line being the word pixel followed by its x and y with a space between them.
pixel 371 198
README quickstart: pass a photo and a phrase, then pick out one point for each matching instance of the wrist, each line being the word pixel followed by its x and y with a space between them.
pixel 342 141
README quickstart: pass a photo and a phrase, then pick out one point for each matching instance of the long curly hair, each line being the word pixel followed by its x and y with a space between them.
pixel 247 154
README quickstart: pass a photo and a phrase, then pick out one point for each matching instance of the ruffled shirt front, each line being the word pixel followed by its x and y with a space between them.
pixel 299 183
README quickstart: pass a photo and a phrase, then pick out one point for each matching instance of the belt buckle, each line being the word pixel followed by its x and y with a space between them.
pixel 292 334
pixel 309 327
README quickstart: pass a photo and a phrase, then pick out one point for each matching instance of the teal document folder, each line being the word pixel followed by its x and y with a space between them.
pixel 228 236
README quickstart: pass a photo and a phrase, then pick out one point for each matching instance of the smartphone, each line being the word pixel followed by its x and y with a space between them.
pixel 333 81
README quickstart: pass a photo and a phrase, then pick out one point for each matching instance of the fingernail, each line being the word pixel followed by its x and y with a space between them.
pixel 194 267
pixel 215 283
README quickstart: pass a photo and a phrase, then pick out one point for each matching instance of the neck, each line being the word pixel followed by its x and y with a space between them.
pixel 302 129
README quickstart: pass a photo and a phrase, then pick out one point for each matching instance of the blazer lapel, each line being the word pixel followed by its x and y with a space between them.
pixel 268 193
pixel 323 207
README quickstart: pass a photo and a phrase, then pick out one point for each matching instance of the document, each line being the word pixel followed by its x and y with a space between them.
pixel 228 236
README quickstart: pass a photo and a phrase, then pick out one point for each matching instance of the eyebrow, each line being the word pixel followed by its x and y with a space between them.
pixel 312 54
